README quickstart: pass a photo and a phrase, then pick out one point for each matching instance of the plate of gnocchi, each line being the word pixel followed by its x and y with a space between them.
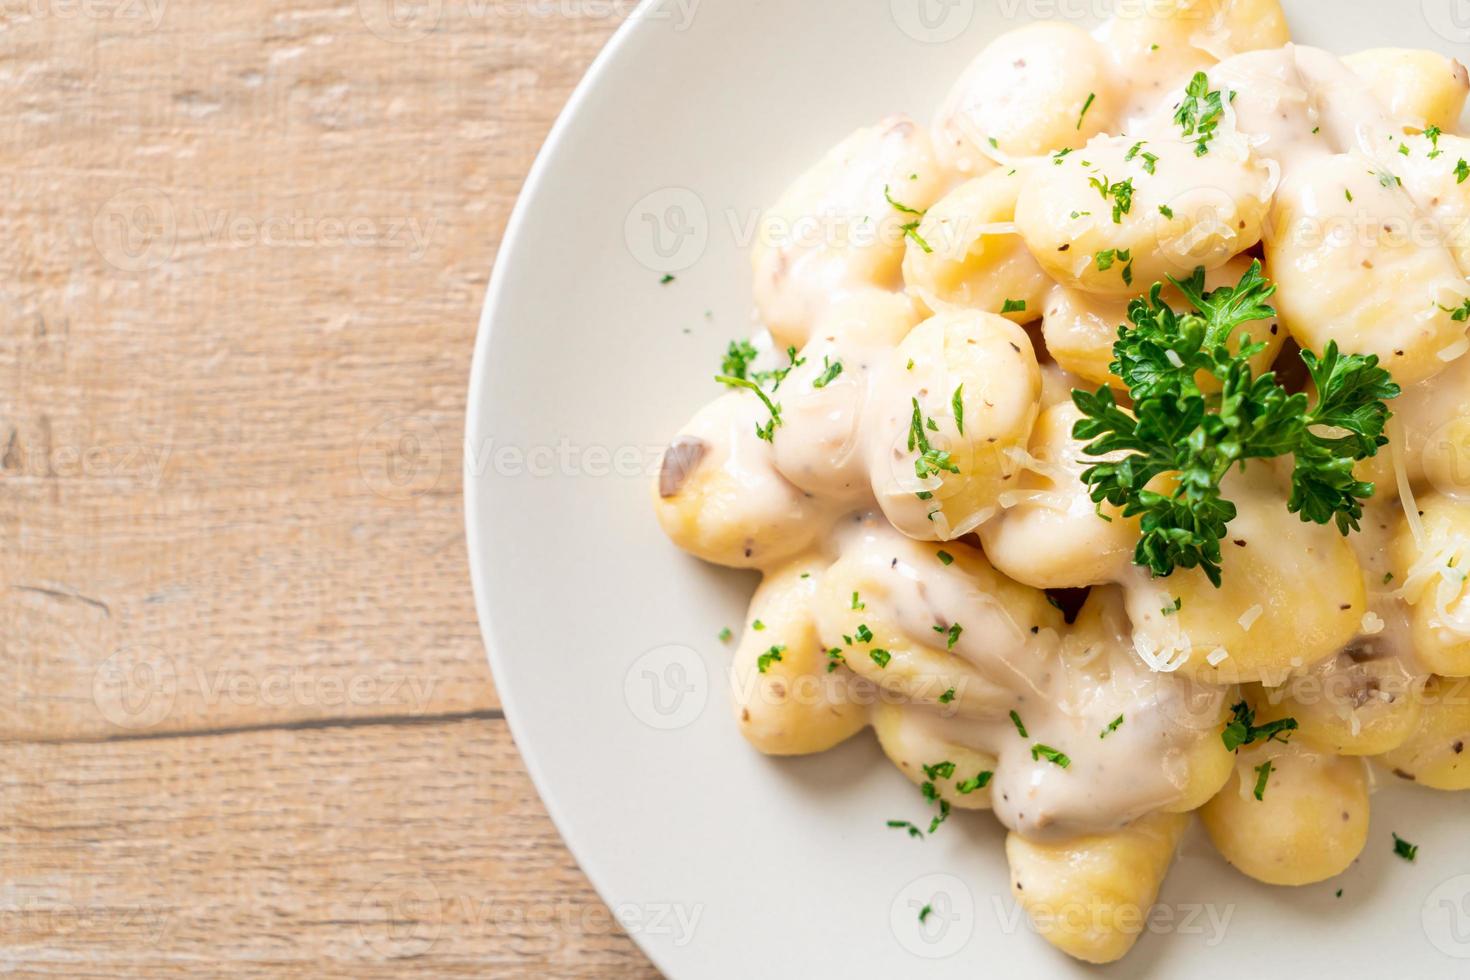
pixel 1000 483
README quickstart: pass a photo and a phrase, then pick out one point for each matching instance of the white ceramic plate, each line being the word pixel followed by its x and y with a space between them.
pixel 602 636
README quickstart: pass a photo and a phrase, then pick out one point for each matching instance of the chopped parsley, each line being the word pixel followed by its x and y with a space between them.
pixel 864 634
pixel 1039 751
pixel 1386 178
pixel 767 431
pixel 905 825
pixel 953 633
pixel 666 280
pixel 1020 726
pixel 1091 98
pixel 945 558
pixel 1119 192
pixel 830 371
pixel 880 657
pixel 1059 156
pixel 857 603
pixel 957 404
pixel 1199 114
pixel 737 359
pixel 1107 259
pixel 977 782
pixel 947 696
pixel 911 229
pixel 1263 773
pixel 925 912
pixel 1459 313
pixel 1171 610
pixel 930 461
pixel 771 656
pixel 757 625
pixel 1462 171
pixel 1176 427
pixel 1166 211
pixel 1433 133
pixel 1112 727
pixel 1013 306
pixel 1137 151
pixel 1243 730
pixel 835 659
pixel 1404 849
pixel 725 635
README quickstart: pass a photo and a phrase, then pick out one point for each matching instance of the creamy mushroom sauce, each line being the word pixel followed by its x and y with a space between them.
pixel 1304 140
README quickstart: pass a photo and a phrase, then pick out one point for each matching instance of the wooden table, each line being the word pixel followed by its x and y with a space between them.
pixel 249 726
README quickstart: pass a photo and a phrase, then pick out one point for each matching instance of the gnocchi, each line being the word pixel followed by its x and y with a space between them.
pixel 1025 503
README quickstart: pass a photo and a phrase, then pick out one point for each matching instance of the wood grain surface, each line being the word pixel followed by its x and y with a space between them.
pixel 249 726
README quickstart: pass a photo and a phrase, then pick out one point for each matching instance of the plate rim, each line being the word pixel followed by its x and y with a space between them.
pixel 476 403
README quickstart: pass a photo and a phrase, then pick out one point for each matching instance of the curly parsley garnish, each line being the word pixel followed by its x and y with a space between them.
pixel 930 461
pixel 1176 428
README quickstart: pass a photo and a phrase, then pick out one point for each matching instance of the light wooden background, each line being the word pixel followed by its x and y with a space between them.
pixel 248 723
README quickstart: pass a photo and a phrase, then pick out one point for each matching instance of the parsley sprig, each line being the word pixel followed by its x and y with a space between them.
pixel 1177 428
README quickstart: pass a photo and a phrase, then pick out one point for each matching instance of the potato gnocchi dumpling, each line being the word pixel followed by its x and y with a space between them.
pixel 1421 88
pixel 1090 897
pixel 786 700
pixel 1434 755
pixel 958 395
pixel 1351 271
pixel 968 256
pixel 1255 627
pixel 1290 815
pixel 1431 558
pixel 1110 220
pixel 838 229
pixel 1032 90
pixel 1048 535
pixel 1363 701
pixel 918 746
pixel 719 496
